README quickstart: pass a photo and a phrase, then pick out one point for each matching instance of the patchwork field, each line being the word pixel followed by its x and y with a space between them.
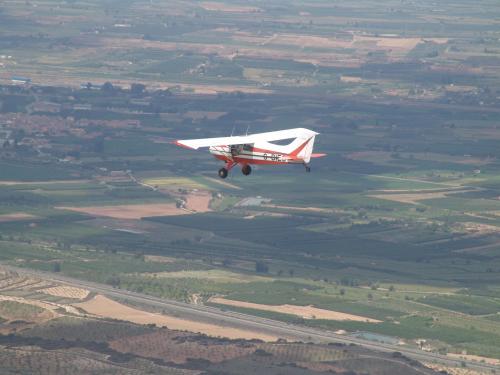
pixel 39 339
pixel 104 307
pixel 394 235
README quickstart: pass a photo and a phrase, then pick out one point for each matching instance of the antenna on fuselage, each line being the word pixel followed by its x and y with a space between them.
pixel 248 128
pixel 232 131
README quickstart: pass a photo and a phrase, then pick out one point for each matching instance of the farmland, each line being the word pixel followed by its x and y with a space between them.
pixel 125 339
pixel 398 225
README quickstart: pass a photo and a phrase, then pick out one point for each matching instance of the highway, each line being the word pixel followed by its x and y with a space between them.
pixel 243 321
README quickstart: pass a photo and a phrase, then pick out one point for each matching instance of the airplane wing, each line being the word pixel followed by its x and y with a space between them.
pixel 246 139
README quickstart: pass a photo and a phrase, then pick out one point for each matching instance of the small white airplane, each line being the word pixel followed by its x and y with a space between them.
pixel 258 149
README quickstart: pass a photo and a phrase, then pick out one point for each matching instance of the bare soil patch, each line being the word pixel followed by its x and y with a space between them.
pixel 199 201
pixel 390 43
pixel 220 276
pixel 129 211
pixel 308 40
pixel 199 115
pixel 15 217
pixel 481 229
pixel 223 183
pixel 451 370
pixel 158 259
pixel 413 198
pixel 105 307
pixel 10 183
pixel 350 79
pixel 22 283
pixel 310 209
pixel 405 44
pixel 47 311
pixel 265 213
pixel 477 358
pixel 306 312
pixel 66 292
pixel 460 88
pixel 221 7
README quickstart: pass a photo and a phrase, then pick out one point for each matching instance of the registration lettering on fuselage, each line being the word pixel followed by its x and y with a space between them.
pixel 273 157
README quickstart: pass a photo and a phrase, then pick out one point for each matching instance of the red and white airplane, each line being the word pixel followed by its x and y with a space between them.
pixel 258 149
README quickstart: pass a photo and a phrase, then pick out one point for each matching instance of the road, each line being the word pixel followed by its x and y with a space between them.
pixel 249 322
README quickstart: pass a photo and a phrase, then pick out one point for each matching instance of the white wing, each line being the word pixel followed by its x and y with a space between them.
pixel 246 139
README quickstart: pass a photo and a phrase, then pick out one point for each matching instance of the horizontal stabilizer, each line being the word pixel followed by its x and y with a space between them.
pixel 317 155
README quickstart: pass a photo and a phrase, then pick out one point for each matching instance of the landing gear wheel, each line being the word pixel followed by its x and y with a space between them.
pixel 246 170
pixel 308 169
pixel 223 173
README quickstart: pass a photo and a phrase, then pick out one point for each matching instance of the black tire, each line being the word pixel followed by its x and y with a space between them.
pixel 223 173
pixel 308 169
pixel 246 170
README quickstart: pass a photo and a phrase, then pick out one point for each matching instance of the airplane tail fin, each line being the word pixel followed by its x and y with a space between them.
pixel 304 149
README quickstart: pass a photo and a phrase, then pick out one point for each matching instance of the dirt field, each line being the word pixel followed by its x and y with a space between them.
pixel 48 312
pixel 310 209
pixel 129 211
pixel 384 157
pixel 350 79
pixel 264 213
pixel 307 40
pixel 22 283
pixel 199 201
pixel 173 183
pixel 11 183
pixel 66 292
pixel 460 88
pixel 221 7
pixel 223 183
pixel 452 370
pixel 15 217
pixel 468 357
pixel 158 259
pixel 479 228
pixel 105 307
pixel 220 276
pixel 413 198
pixel 406 44
pixel 199 115
pixel 306 312
pixel 391 43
